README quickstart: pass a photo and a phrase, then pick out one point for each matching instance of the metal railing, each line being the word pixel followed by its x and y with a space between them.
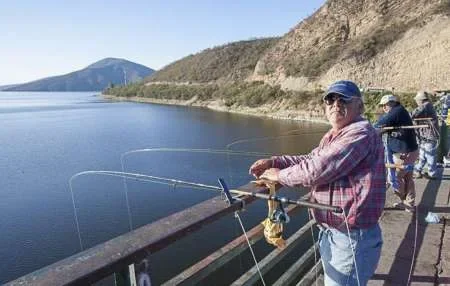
pixel 119 255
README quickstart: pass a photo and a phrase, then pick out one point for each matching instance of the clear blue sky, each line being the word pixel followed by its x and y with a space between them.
pixel 44 38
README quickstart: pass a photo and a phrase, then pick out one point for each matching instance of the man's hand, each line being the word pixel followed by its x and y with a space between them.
pixel 271 174
pixel 259 167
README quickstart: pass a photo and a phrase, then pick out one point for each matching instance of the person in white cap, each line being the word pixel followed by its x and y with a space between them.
pixel 402 143
pixel 427 137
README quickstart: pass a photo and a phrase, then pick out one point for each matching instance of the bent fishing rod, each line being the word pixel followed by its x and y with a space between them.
pixel 175 182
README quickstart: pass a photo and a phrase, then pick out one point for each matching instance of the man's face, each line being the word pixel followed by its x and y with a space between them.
pixel 341 112
pixel 386 108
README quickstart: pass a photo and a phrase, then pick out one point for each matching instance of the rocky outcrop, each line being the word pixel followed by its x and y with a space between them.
pixel 384 43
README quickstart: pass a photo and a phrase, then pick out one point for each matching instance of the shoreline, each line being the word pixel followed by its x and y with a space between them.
pixel 262 111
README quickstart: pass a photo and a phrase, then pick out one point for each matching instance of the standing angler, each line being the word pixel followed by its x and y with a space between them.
pixel 402 143
pixel 346 170
pixel 426 137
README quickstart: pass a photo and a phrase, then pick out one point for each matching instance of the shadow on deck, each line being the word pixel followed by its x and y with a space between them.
pixel 414 251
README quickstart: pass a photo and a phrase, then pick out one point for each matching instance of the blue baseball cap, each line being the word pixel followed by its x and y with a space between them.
pixel 347 89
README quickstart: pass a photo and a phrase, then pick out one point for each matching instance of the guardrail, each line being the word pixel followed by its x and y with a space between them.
pixel 119 255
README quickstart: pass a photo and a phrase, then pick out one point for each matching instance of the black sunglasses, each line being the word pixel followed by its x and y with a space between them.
pixel 332 97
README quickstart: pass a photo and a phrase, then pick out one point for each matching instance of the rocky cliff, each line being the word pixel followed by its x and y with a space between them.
pixel 384 43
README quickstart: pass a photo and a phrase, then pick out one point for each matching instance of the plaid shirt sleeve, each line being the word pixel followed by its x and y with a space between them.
pixel 326 163
pixel 285 161
pixel 346 170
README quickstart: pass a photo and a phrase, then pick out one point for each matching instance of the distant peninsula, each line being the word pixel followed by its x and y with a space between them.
pixel 95 77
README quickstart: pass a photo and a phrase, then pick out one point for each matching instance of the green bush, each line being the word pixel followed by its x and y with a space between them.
pixel 252 94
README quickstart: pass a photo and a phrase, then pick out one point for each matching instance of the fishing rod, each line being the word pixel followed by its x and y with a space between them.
pixel 280 199
pixel 404 127
pixel 176 182
pixel 407 168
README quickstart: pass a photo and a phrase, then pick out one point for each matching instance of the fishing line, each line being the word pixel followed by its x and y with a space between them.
pixel 161 180
pixel 314 245
pixel 125 188
pixel 181 150
pixel 135 176
pixel 287 135
pixel 193 150
pixel 250 248
pixel 176 182
pixel 413 260
pixel 352 246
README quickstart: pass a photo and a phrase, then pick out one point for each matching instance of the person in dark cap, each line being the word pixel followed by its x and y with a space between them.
pixel 403 145
pixel 346 170
pixel 426 137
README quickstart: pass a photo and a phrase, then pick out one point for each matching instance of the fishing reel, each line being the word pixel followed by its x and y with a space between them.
pixel 280 216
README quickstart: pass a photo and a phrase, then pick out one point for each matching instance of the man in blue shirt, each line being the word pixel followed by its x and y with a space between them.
pixel 402 143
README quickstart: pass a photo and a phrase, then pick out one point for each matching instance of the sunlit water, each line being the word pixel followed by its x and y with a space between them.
pixel 46 138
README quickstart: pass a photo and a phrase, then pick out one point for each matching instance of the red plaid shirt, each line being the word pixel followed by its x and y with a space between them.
pixel 346 170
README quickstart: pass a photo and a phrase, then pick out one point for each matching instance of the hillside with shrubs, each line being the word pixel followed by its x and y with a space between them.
pixel 396 46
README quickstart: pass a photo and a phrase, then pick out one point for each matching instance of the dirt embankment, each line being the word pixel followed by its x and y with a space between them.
pixel 277 110
pixel 400 44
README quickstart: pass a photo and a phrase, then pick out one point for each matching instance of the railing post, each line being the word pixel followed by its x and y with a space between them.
pixel 443 142
pixel 122 278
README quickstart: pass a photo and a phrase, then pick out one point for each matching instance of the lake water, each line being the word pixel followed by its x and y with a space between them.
pixel 46 138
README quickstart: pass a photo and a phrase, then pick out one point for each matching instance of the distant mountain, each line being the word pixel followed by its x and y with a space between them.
pixel 94 77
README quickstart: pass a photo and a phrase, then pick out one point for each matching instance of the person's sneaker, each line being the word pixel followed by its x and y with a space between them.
pixel 417 175
pixel 446 160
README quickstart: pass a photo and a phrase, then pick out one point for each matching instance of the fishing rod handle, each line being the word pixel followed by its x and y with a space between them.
pixel 334 209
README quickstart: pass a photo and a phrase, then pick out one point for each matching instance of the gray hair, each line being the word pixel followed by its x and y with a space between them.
pixel 360 104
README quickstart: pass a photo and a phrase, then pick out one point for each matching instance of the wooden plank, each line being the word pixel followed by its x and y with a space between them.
pixel 194 274
pixel 93 264
pixel 251 276
pixel 305 260
pixel 310 277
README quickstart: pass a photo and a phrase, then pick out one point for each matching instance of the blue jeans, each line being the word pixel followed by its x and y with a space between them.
pixel 427 154
pixel 337 256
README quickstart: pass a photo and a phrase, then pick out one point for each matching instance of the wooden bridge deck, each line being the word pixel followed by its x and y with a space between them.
pixel 429 264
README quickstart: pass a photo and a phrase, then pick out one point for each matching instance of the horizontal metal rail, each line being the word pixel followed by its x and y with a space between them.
pixel 300 265
pixel 311 276
pixel 251 276
pixel 194 274
pixel 115 255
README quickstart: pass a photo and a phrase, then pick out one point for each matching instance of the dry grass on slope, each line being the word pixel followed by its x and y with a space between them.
pixel 230 62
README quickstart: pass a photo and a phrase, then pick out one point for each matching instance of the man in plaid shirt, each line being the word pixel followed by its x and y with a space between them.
pixel 346 170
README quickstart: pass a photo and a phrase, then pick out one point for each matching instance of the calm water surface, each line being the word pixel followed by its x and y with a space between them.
pixel 46 138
